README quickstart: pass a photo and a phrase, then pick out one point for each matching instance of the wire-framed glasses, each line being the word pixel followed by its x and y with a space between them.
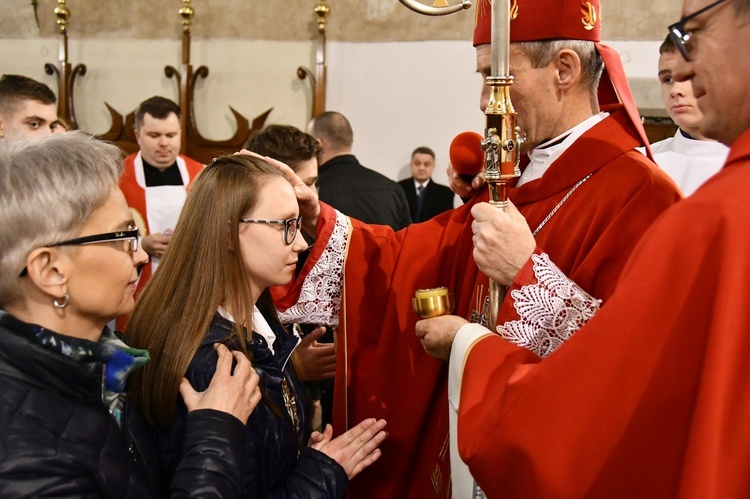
pixel 682 38
pixel 291 226
pixel 130 239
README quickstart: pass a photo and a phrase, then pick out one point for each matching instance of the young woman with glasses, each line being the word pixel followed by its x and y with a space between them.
pixel 238 235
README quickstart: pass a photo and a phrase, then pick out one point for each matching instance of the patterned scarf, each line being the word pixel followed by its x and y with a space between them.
pixel 118 358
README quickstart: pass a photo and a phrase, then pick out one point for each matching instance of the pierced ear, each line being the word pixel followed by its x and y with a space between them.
pixel 49 270
pixel 568 66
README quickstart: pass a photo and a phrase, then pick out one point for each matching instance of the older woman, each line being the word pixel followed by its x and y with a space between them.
pixel 237 236
pixel 68 265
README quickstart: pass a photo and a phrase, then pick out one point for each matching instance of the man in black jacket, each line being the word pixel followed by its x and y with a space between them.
pixel 426 197
pixel 348 186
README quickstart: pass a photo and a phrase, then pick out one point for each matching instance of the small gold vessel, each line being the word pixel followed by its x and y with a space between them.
pixel 432 302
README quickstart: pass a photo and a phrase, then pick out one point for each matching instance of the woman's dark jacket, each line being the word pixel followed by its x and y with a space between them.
pixel 278 462
pixel 58 439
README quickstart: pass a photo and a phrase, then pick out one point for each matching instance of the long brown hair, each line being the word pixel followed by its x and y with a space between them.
pixel 199 273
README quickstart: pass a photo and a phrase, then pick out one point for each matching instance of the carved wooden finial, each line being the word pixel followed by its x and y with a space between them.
pixel 322 10
pixel 187 13
pixel 63 14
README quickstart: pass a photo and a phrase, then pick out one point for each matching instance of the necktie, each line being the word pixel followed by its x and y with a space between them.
pixel 420 199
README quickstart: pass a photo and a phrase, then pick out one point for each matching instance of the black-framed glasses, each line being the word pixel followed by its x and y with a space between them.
pixel 291 226
pixel 130 237
pixel 680 37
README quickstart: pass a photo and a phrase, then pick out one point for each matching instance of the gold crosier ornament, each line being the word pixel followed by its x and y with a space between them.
pixel 502 137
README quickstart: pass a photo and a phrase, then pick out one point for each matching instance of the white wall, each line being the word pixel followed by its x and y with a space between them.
pixel 397 95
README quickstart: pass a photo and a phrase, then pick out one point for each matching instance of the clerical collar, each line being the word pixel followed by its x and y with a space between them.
pixel 155 177
pixel 546 153
pixel 686 135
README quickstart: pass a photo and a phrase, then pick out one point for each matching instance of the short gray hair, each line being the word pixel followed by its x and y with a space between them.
pixel 48 188
pixel 541 54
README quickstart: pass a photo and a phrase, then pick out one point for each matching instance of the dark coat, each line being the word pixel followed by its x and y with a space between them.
pixel 362 193
pixel 57 438
pixel 437 199
pixel 277 463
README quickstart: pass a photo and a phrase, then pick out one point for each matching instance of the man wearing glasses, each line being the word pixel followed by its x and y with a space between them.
pixel 650 398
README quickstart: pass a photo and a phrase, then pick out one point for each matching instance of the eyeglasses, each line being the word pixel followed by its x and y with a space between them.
pixel 130 238
pixel 291 226
pixel 680 37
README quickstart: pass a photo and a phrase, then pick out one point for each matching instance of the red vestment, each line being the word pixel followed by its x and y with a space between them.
pixel 135 195
pixel 382 364
pixel 649 399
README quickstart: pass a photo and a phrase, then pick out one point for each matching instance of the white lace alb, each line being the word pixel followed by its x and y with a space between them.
pixel 550 311
pixel 320 298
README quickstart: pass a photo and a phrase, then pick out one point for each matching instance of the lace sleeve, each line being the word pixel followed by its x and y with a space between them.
pixel 551 310
pixel 320 296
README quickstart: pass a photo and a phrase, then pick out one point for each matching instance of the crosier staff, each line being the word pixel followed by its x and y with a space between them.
pixel 502 137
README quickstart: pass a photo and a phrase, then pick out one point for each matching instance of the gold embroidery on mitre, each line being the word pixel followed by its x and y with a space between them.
pixel 483 4
pixel 440 3
pixel 481 8
pixel 589 16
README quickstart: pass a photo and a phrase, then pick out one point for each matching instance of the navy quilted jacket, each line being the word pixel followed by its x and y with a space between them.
pixel 278 463
pixel 58 439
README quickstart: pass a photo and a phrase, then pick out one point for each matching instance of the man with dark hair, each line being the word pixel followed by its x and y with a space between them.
pixel 156 178
pixel 688 157
pixel 347 185
pixel 289 145
pixel 649 398
pixel 426 197
pixel 27 108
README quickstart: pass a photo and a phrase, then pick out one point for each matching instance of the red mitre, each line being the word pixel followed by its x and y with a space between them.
pixel 537 20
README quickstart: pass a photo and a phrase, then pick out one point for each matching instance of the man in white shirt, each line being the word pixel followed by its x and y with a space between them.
pixel 688 157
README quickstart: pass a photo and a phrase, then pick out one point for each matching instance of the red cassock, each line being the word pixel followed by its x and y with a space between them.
pixel 651 399
pixel 381 363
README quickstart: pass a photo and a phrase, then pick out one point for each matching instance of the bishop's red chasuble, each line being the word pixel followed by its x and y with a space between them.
pixel 650 398
pixel 382 370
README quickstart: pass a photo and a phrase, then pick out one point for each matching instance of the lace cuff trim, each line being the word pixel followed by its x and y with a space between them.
pixel 320 297
pixel 550 311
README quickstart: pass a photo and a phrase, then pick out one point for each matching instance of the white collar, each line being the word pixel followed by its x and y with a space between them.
pixel 260 325
pixel 543 155
pixel 423 184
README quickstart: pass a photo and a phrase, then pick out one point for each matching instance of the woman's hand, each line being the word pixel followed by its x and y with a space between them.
pixel 234 393
pixel 356 449
pixel 314 361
